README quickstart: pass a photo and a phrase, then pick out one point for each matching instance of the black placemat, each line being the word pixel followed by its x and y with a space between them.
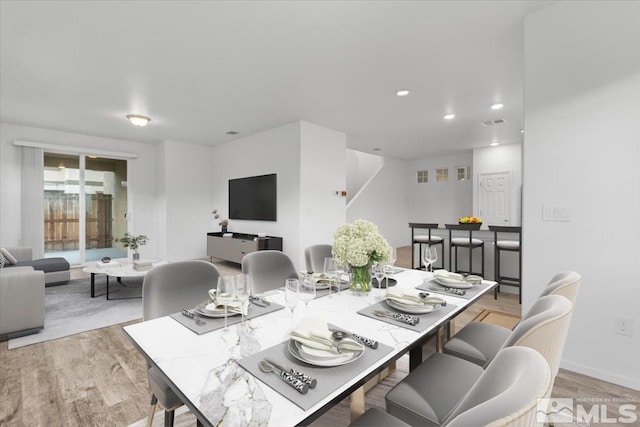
pixel 329 378
pixel 214 323
pixel 391 282
pixel 426 320
pixel 433 286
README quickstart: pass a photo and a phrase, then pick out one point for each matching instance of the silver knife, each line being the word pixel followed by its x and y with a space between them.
pixel 366 341
pixel 312 382
pixel 259 301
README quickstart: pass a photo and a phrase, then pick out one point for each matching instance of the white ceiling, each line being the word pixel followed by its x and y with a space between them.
pixel 199 69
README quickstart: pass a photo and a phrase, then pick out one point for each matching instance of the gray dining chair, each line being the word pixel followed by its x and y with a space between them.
pixel 167 289
pixel 447 391
pixel 478 342
pixel 268 269
pixel 314 257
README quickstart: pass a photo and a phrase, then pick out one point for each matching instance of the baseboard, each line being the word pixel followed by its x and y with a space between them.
pixel 601 375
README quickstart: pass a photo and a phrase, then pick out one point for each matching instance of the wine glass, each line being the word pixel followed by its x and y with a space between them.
pixel 330 271
pixel 226 294
pixel 393 258
pixel 432 255
pixel 378 272
pixel 340 270
pixel 243 286
pixel 291 292
pixel 425 258
pixel 307 291
pixel 388 270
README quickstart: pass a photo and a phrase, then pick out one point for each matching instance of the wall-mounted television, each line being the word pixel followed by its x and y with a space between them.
pixel 253 198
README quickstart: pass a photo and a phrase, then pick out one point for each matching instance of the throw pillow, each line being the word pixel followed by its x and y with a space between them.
pixel 8 256
pixel 2 260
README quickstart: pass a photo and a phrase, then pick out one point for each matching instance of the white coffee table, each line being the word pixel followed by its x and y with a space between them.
pixel 118 271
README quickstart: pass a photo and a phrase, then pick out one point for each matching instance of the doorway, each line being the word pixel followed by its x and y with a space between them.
pixel 494 196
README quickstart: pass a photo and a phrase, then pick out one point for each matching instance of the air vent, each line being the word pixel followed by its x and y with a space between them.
pixel 231 132
pixel 493 122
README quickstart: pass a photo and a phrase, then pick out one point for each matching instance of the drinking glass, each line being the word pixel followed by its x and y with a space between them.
pixel 378 273
pixel 340 270
pixel 243 285
pixel 432 256
pixel 226 294
pixel 307 291
pixel 330 271
pixel 393 258
pixel 388 271
pixel 425 258
pixel 291 292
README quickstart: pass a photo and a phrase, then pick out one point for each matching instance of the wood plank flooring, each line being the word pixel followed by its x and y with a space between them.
pixel 98 378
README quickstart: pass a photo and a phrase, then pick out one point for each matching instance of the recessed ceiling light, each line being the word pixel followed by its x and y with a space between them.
pixel 232 132
pixel 138 120
pixel 449 116
pixel 497 106
pixel 495 143
pixel 402 92
pixel 521 130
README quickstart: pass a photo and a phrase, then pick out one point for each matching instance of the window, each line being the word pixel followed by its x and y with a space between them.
pixel 442 175
pixel 423 176
pixel 464 172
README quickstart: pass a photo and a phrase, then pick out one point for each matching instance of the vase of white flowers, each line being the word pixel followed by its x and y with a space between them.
pixel 359 245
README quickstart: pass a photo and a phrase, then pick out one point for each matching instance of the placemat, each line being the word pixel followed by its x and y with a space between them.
pixel 329 378
pixel 432 286
pixel 391 282
pixel 426 320
pixel 324 292
pixel 214 323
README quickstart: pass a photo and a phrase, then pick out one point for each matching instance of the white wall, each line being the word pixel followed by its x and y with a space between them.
pixel 502 158
pixel 141 182
pixel 186 193
pixel 360 167
pixel 383 201
pixel 582 145
pixel 322 173
pixel 439 202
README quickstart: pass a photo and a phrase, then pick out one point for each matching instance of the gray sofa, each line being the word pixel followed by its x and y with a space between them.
pixel 21 301
pixel 56 270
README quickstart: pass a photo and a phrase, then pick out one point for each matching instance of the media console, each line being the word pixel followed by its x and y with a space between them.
pixel 236 247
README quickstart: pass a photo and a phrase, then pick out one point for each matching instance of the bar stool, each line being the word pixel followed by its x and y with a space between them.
pixel 428 240
pixel 464 242
pixel 509 246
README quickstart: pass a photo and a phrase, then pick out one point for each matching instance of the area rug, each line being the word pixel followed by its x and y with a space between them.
pixel 498 318
pixel 69 309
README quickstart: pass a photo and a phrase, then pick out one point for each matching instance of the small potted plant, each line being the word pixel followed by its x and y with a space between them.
pixel 223 223
pixel 133 242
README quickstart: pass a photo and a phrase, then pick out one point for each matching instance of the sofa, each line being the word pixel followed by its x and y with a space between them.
pixel 21 301
pixel 56 270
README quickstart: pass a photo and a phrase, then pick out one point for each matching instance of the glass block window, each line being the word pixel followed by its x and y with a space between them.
pixel 423 176
pixel 442 175
pixel 463 172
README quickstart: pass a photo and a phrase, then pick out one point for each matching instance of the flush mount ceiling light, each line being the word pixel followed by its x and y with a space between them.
pixel 138 120
pixel 495 143
pixel 377 149
pixel 232 132
pixel 402 92
pixel 497 106
pixel 449 116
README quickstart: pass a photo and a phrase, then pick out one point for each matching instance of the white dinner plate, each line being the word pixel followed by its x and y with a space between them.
pixel 322 285
pixel 413 309
pixel 218 312
pixel 320 358
pixel 459 285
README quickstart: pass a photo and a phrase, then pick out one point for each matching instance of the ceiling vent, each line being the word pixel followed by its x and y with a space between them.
pixel 493 122
pixel 231 132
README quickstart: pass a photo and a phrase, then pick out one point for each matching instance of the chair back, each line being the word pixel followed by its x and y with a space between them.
pixel 268 269
pixel 507 392
pixel 565 284
pixel 171 287
pixel 314 257
pixel 544 328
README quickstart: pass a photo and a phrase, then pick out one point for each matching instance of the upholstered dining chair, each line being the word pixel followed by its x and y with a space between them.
pixel 506 393
pixel 478 342
pixel 544 328
pixel 167 289
pixel 269 269
pixel 314 257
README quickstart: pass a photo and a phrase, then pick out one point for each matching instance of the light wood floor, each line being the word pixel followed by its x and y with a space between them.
pixel 98 378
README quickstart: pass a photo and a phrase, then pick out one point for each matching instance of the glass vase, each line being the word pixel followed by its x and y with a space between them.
pixel 361 279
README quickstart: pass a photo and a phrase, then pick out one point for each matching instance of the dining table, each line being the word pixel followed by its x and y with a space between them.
pixel 215 375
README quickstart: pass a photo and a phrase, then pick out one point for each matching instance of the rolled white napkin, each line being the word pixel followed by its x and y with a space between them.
pixel 410 296
pixel 315 333
pixel 449 278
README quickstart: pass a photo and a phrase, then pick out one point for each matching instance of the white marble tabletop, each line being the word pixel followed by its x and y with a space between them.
pixel 125 269
pixel 203 368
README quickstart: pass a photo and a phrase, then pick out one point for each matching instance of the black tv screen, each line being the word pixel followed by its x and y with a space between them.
pixel 253 198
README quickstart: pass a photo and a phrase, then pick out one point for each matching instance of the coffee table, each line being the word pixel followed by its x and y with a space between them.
pixel 119 271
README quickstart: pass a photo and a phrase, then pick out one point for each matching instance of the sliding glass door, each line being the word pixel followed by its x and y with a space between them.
pixel 85 205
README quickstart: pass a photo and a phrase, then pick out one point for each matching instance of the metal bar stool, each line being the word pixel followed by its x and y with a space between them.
pixel 509 246
pixel 470 242
pixel 428 240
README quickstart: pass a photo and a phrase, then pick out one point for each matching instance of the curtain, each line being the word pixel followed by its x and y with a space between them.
pixel 32 199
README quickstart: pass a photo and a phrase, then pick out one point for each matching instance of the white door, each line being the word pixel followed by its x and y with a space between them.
pixel 494 194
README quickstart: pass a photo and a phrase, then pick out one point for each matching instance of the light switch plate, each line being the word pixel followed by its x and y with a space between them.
pixel 555 213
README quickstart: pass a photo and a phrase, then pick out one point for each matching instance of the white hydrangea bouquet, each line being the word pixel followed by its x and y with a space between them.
pixel 359 245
